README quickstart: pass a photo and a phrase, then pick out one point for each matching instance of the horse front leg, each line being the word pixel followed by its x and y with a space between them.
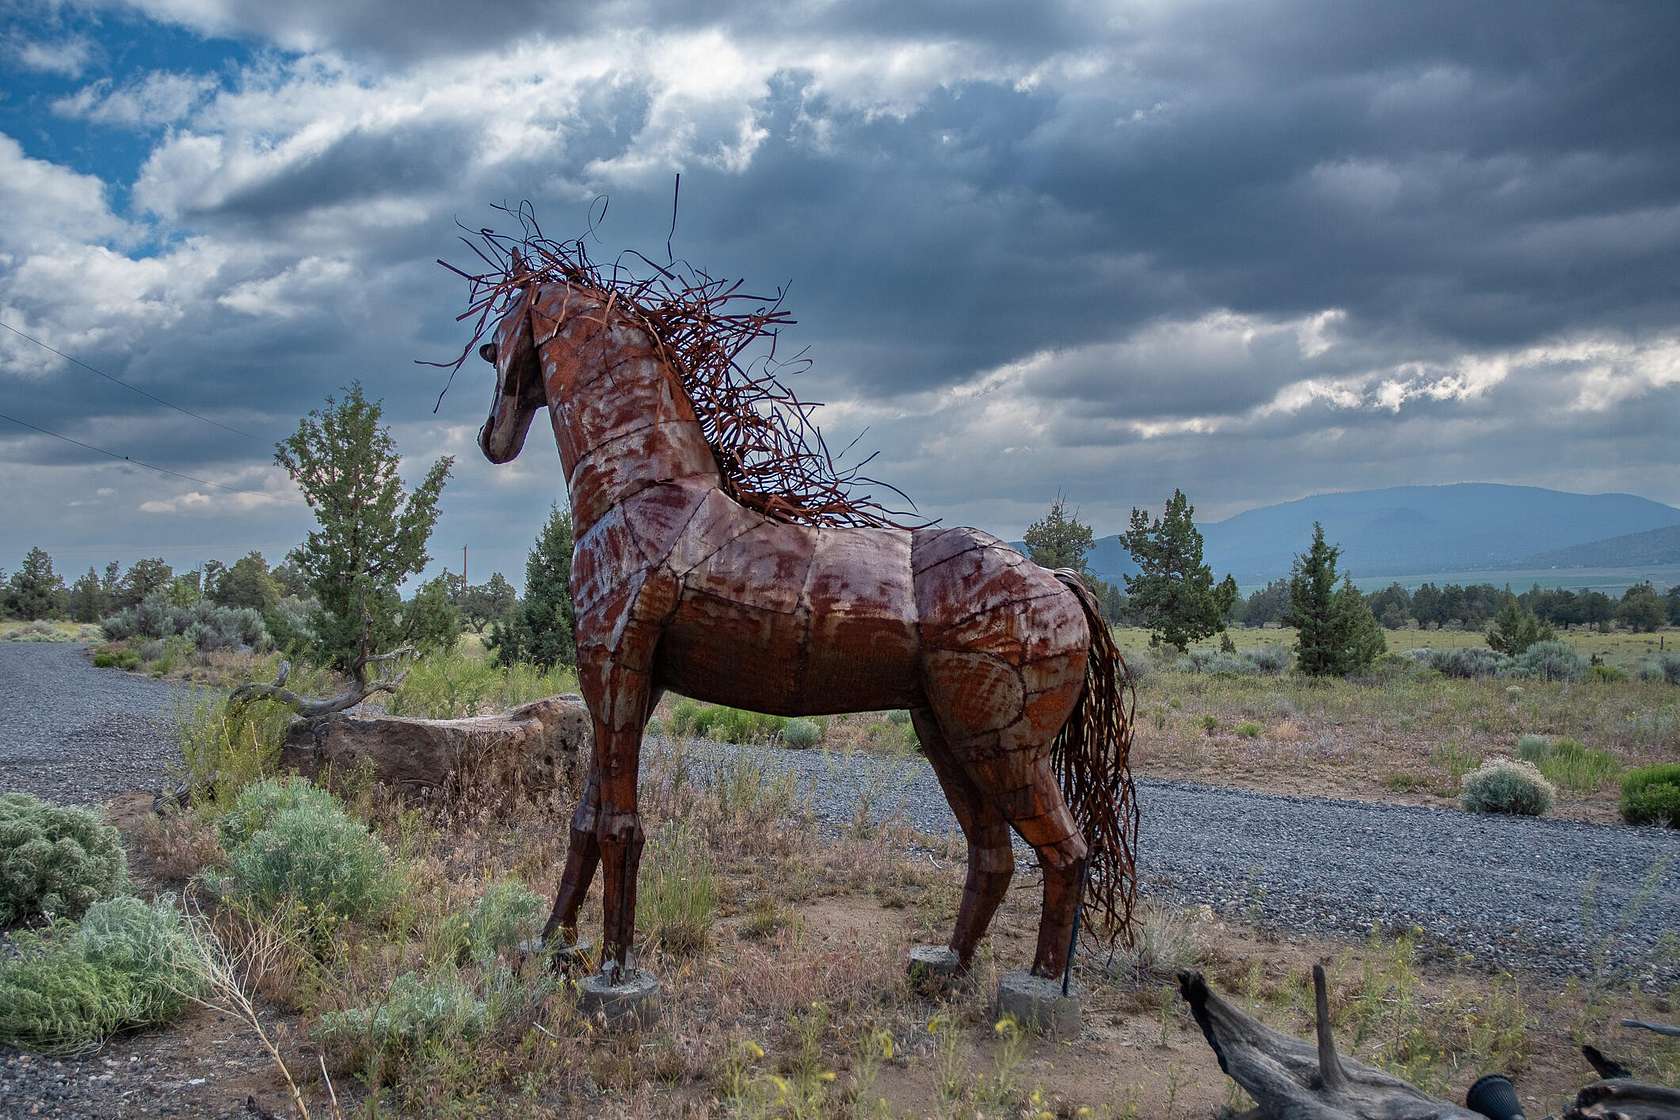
pixel 618 690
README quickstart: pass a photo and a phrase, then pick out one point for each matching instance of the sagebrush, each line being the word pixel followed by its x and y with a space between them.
pixel 55 860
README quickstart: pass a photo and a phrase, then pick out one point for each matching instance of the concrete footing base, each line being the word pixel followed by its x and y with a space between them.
pixel 933 968
pixel 631 999
pixel 1038 1003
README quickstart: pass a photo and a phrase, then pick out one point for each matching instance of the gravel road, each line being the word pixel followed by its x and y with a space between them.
pixel 1548 895
pixel 1543 894
pixel 75 734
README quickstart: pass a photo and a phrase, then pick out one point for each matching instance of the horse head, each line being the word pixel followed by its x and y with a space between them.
pixel 520 391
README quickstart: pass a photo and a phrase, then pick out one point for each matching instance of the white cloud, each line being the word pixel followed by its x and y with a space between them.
pixel 46 204
pixel 66 57
pixel 155 99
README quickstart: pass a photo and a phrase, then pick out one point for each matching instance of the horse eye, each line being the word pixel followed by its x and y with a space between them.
pixel 488 352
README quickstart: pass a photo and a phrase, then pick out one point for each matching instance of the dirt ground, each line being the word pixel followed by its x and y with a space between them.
pixel 797 1005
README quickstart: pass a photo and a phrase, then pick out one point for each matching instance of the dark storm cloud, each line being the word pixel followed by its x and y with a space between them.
pixel 1145 225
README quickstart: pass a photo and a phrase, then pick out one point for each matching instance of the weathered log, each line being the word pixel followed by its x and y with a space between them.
pixel 1622 1098
pixel 529 752
pixel 1294 1080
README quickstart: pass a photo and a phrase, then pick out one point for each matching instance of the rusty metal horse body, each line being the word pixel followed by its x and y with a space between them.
pixel 678 586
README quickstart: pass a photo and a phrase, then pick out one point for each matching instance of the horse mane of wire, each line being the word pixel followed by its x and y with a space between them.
pixel 770 453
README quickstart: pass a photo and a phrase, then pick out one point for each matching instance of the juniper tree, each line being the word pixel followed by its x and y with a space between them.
pixel 35 590
pixel 1515 628
pixel 541 631
pixel 1173 591
pixel 1060 540
pixel 371 531
pixel 1335 631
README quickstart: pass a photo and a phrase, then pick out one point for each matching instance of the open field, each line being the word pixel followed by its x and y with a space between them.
pixel 45 630
pixel 1621 648
pixel 1611 581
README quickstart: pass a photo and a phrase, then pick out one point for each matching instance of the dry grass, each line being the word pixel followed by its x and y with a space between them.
pixel 781 955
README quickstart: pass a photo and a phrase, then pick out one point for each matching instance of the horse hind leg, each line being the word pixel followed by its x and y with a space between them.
pixel 1037 810
pixel 991 860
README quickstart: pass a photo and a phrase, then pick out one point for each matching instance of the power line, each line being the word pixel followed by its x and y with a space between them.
pixel 136 388
pixel 148 466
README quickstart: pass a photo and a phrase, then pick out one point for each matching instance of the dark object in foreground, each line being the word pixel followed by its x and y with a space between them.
pixel 1290 1079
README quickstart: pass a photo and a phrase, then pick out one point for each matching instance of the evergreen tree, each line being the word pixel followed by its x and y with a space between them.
pixel 1642 608
pixel 35 590
pixel 1268 604
pixel 431 622
pixel 1173 590
pixel 1336 633
pixel 484 603
pixel 145 577
pixel 1515 628
pixel 247 584
pixel 1061 540
pixel 371 533
pixel 87 602
pixel 542 631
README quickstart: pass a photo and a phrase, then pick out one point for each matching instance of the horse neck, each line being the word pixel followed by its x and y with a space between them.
pixel 621 417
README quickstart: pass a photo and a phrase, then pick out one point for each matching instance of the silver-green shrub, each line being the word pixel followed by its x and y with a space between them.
pixel 415 1008
pixel 1270 659
pixel 801 734
pixel 1465 662
pixel 290 843
pixel 1504 785
pixel 506 914
pixel 1549 661
pixel 127 964
pixel 54 860
pixel 1663 666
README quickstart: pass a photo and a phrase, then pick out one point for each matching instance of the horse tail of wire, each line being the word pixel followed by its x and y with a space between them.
pixel 1092 759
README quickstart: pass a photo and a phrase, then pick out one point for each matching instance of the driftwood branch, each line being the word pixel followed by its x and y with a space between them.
pixel 1293 1080
pixel 1660 1028
pixel 314 709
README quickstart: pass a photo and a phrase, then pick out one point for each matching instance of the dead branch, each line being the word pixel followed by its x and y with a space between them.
pixel 1293 1080
pixel 313 709
pixel 1660 1028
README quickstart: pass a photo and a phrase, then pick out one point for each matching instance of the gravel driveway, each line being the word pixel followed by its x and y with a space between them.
pixel 1512 892
pixel 75 734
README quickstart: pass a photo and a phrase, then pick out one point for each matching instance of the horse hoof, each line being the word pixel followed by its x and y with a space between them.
pixel 620 997
pixel 933 968
pixel 1037 1003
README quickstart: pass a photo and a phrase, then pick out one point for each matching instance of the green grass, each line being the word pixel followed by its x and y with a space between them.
pixel 1566 763
pixel 1651 795
pixel 457 684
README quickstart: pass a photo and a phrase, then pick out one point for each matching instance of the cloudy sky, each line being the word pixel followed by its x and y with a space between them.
pixel 1255 250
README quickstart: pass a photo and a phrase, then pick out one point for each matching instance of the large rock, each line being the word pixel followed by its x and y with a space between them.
pixel 528 753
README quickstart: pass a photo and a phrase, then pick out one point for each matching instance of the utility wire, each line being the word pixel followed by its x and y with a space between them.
pixel 136 388
pixel 148 466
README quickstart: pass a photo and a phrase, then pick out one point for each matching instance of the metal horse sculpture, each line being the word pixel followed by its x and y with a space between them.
pixel 679 585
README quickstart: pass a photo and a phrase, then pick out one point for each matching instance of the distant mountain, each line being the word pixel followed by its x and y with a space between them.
pixel 1404 530
pixel 1630 550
